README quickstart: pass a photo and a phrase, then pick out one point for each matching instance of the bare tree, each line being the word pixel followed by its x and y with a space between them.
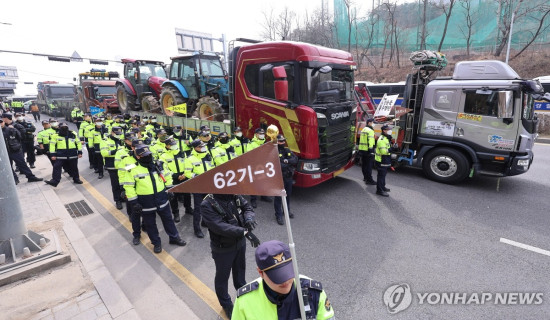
pixel 269 25
pixel 447 10
pixel 277 26
pixel 423 34
pixel 540 29
pixel 504 22
pixel 351 18
pixel 284 24
pixel 470 19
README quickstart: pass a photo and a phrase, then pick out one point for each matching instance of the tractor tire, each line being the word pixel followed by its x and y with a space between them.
pixel 126 101
pixel 209 108
pixel 150 104
pixel 169 97
pixel 446 165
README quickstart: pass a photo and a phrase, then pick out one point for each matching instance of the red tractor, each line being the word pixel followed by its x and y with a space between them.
pixel 141 86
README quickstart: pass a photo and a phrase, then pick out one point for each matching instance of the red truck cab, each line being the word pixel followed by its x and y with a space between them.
pixel 307 91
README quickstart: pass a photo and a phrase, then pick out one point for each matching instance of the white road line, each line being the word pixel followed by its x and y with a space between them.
pixel 525 246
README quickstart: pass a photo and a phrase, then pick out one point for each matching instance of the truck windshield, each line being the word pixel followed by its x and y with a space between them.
pixel 211 67
pixel 152 70
pixel 106 91
pixel 61 92
pixel 329 87
pixel 528 106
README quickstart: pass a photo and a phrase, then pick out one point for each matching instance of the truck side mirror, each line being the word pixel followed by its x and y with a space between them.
pixel 281 83
pixel 505 105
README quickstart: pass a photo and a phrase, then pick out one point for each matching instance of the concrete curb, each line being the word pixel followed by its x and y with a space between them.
pixel 112 295
pixel 543 140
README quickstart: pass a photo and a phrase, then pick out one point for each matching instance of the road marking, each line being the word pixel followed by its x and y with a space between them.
pixel 525 246
pixel 194 283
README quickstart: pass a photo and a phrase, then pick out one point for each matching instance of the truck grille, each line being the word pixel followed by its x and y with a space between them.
pixel 335 146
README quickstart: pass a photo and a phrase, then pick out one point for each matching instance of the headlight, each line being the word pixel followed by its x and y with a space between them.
pixel 523 163
pixel 310 166
pixel 321 116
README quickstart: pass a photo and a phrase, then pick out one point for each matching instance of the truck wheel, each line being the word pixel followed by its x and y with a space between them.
pixel 150 104
pixel 209 108
pixel 126 101
pixel 446 165
pixel 169 97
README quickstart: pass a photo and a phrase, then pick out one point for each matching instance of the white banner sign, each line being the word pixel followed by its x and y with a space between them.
pixel 385 105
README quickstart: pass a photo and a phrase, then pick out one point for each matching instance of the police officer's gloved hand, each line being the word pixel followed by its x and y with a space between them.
pixel 254 241
pixel 123 195
pixel 171 196
pixel 250 224
pixel 137 208
pixel 371 151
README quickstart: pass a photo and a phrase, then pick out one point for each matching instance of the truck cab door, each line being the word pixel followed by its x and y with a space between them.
pixel 486 119
pixel 440 110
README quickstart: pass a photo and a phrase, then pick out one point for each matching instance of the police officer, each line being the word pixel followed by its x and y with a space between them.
pixel 158 147
pixel 109 147
pixel 183 139
pixel 383 160
pixel 258 140
pixel 226 150
pixel 173 160
pixel 366 151
pixel 125 159
pixel 14 146
pixel 239 143
pixel 77 115
pixel 145 187
pixel 274 294
pixel 84 132
pixel 65 150
pixel 229 219
pixel 97 135
pixel 288 165
pixel 43 137
pixel 197 163
pixel 27 137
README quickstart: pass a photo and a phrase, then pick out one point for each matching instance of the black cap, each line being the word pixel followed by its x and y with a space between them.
pixel 50 120
pixel 7 115
pixel 259 130
pixel 116 129
pixel 153 117
pixel 385 127
pixel 197 143
pixel 223 135
pixel 136 142
pixel 170 141
pixel 160 132
pixel 177 127
pixel 370 120
pixel 63 125
pixel 281 138
pixel 135 130
pixel 205 128
pixel 17 114
pixel 274 258
pixel 129 135
pixel 143 150
pixel 45 122
pixel 237 129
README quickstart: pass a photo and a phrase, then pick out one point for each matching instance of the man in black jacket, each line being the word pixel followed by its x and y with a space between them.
pixel 14 146
pixel 230 219
pixel 27 137
pixel 288 165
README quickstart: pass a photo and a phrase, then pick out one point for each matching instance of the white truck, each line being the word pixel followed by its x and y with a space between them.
pixel 480 121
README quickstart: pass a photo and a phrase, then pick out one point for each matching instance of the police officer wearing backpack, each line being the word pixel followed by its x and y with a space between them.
pixel 383 160
pixel 14 146
pixel 366 151
pixel 65 150
pixel 27 137
pixel 230 219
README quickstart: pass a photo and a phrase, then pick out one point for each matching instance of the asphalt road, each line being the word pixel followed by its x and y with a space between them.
pixel 434 237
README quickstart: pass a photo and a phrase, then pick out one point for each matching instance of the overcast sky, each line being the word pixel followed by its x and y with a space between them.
pixel 117 29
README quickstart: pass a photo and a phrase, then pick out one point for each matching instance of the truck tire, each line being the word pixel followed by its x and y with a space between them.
pixel 150 104
pixel 169 97
pixel 446 165
pixel 209 108
pixel 126 101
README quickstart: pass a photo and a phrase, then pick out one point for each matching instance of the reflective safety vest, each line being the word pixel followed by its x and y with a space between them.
pixel 97 135
pixel 197 163
pixel 43 137
pixel 147 187
pixel 84 126
pixel 382 152
pixel 254 143
pixel 157 148
pixel 366 139
pixel 68 147
pixel 219 155
pixel 174 162
pixel 108 149
pixel 76 112
pixel 228 149
pixel 123 158
pixel 252 302
pixel 183 142
pixel 239 145
pixel 52 106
